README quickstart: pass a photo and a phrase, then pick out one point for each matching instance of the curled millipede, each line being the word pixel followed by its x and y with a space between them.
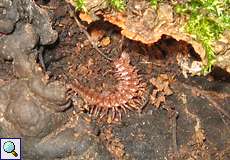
pixel 127 93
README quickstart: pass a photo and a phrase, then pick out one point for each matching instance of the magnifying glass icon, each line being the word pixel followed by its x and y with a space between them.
pixel 9 147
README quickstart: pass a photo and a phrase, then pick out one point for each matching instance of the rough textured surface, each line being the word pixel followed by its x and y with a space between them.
pixel 32 107
pixel 222 48
pixel 25 11
pixel 192 123
pixel 143 138
pixel 151 134
pixel 142 23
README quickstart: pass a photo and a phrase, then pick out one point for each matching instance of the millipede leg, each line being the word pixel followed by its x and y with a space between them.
pixel 104 112
pixel 137 101
pixel 119 114
pixel 113 113
pixel 128 107
pixel 91 109
pixel 123 108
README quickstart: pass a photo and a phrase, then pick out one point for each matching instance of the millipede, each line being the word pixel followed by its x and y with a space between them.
pixel 128 93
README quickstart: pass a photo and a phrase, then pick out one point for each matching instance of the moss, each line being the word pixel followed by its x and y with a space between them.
pixel 208 19
pixel 154 3
pixel 117 4
pixel 80 5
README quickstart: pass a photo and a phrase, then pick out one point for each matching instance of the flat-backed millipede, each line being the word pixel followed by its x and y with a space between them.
pixel 128 93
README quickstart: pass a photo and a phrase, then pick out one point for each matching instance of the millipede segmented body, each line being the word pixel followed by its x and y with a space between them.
pixel 127 94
